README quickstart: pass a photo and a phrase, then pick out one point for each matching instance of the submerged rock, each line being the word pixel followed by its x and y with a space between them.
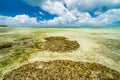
pixel 62 70
pixel 59 44
pixel 5 45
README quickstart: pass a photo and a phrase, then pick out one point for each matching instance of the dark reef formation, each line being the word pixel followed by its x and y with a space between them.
pixel 62 70
pixel 59 44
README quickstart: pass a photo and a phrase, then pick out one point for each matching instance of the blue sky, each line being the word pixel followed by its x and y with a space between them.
pixel 60 12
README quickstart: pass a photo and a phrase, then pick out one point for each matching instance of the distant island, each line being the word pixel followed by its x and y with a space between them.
pixel 3 26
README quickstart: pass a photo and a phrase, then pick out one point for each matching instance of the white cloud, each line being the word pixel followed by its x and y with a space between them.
pixel 76 18
pixel 82 5
pixel 109 17
pixel 88 5
pixel 41 13
pixel 70 18
pixel 18 20
pixel 54 7
pixel 75 13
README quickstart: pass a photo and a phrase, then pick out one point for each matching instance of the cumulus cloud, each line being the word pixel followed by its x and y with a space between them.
pixel 70 13
pixel 22 20
pixel 76 12
pixel 82 5
pixel 70 18
pixel 76 18
pixel 88 5
pixel 111 16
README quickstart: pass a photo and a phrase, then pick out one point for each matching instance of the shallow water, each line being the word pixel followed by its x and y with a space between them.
pixel 99 45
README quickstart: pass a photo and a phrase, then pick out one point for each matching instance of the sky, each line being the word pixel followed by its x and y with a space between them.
pixel 60 13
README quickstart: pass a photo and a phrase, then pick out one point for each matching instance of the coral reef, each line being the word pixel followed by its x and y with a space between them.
pixel 62 69
pixel 59 44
